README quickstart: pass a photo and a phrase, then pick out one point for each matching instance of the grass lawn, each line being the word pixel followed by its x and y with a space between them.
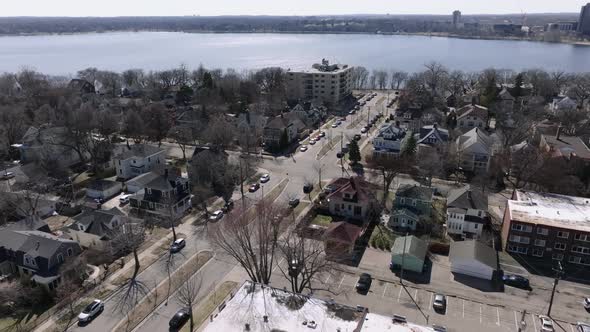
pixel 382 238
pixel 206 308
pixel 272 195
pixel 299 208
pixel 322 220
pixel 6 322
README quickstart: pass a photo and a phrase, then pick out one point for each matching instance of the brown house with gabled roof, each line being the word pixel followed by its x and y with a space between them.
pixel 352 198
pixel 340 239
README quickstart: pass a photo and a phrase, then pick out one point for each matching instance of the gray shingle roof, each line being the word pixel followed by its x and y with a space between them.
pixel 413 245
pixel 465 198
pixel 34 243
pixel 421 193
pixel 474 250
pixel 95 221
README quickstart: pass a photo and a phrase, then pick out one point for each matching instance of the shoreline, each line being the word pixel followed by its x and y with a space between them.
pixel 421 34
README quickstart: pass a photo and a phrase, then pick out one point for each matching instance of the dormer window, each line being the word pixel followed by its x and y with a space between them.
pixel 70 252
pixel 81 227
pixel 60 258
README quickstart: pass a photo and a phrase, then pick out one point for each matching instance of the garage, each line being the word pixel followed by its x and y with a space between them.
pixel 473 258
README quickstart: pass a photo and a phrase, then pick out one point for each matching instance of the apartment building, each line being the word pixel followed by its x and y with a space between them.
pixel 546 228
pixel 325 82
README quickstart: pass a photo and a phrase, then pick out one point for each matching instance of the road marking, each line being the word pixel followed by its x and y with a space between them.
pixel 416 295
pixel 280 262
pixel 480 313
pixel 516 320
pixel 327 279
pixel 572 328
pixel 399 293
pixel 534 322
pixel 498 312
pixel 341 280
pixel 385 290
pixel 431 296
pixel 463 308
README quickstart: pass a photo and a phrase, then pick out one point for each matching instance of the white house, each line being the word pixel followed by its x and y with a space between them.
pixel 472 116
pixel 95 228
pixel 475 149
pixel 139 159
pixel 389 140
pixel 467 212
pixel 139 182
pixel 563 104
pixel 473 258
pixel 103 189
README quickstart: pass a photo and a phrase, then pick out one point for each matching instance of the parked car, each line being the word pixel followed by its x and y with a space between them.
pixel 177 245
pixel 124 199
pixel 307 188
pixel 364 283
pixel 587 303
pixel 364 130
pixel 254 187
pixel 303 148
pixel 515 280
pixel 216 215
pixel 7 175
pixel 265 178
pixel 357 137
pixel 322 134
pixel 228 206
pixel 439 328
pixel 339 155
pixel 329 189
pixel 293 202
pixel 546 324
pixel 334 125
pixel 91 311
pixel 179 319
pixel 582 327
pixel 312 141
pixel 440 302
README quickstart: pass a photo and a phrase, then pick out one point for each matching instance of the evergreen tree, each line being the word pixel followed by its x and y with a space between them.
pixel 354 154
pixel 284 141
pixel 409 147
pixel 518 80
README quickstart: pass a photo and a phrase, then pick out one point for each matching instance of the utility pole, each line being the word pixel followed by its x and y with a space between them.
pixel 401 272
pixel 341 151
pixel 558 274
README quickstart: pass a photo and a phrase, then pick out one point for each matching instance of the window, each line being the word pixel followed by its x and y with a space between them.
pixel 575 260
pixel 581 250
pixel 538 252
pixel 149 191
pixel 402 200
pixel 519 239
pixel 60 258
pixel 476 226
pixel 70 252
pixel 414 202
pixel 149 159
pixel 557 256
pixel 119 162
pixel 134 161
pixel 563 234
pixel 559 246
pixel 151 205
pixel 540 243
pixel 517 249
pixel 479 213
pixel 581 237
pixel 522 228
pixel 542 231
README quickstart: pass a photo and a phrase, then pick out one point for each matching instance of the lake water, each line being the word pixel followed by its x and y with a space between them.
pixel 66 54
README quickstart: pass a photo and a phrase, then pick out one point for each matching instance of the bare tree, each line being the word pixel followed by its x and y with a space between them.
pixel 429 166
pixel 251 236
pixel 434 76
pixel 183 136
pixel 381 77
pixel 388 167
pixel 305 262
pixel 580 87
pixel 134 127
pixel 187 296
pixel 398 78
pixel 157 122
pixel 220 133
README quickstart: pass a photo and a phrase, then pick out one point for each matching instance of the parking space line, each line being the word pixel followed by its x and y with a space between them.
pixel 340 284
pixel 399 293
pixel 480 313
pixel 327 279
pixel 385 289
pixel 498 312
pixel 534 323
pixel 572 327
pixel 416 295
pixel 463 308
pixel 431 296
pixel 516 320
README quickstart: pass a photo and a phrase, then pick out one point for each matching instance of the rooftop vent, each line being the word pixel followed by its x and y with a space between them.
pixel 247 327
pixel 265 317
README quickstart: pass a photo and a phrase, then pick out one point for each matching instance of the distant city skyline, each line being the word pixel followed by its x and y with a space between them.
pixel 284 7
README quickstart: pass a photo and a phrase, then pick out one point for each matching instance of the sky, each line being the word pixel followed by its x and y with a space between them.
pixel 279 7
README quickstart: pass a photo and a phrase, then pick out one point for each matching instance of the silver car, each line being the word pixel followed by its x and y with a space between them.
pixel 91 311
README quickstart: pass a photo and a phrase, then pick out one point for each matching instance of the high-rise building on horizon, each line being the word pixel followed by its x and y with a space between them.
pixel 456 19
pixel 584 21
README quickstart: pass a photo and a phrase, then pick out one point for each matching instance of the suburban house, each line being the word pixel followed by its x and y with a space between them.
pixel 340 240
pixel 562 104
pixel 473 258
pixel 432 137
pixel 567 147
pixel 506 100
pixel 409 118
pixel 103 189
pixel 310 114
pixel 251 123
pixel 389 140
pixel 352 198
pixel 472 116
pixel 281 130
pixel 166 196
pixel 139 182
pixel 474 149
pixel 26 203
pixel 138 159
pixel 35 254
pixel 546 228
pixel 412 204
pixel 95 228
pixel 409 251
pixel 43 145
pixel 81 86
pixel 467 212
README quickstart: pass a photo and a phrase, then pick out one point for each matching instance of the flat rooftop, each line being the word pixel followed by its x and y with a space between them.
pixel 287 311
pixel 551 210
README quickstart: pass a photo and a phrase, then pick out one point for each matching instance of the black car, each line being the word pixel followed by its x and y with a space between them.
pixel 308 188
pixel 515 280
pixel 178 320
pixel 364 283
pixel 228 206
pixel 357 137
pixel 339 155
pixel 293 202
pixel 254 187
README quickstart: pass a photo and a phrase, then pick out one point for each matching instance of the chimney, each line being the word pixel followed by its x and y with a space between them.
pixel 435 126
pixel 247 327
pixel 473 100
pixel 265 317
pixel 558 134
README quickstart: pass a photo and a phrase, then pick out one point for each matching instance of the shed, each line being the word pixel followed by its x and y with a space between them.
pixel 103 189
pixel 411 250
pixel 473 258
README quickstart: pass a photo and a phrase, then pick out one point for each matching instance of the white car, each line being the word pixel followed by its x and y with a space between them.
pixel 312 142
pixel 582 327
pixel 124 199
pixel 265 178
pixel 334 125
pixel 7 175
pixel 216 215
pixel 546 324
pixel 91 311
pixel 303 148
pixel 587 303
